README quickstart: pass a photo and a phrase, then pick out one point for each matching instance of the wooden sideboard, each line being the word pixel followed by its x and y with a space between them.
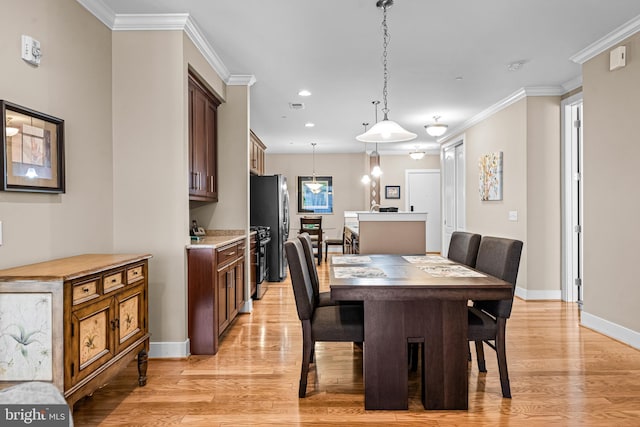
pixel 75 322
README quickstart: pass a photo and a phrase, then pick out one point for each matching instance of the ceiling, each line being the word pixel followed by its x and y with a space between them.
pixel 446 57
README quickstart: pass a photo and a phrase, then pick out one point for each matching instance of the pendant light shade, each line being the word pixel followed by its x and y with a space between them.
pixel 385 130
pixel 314 186
pixel 417 155
pixel 436 129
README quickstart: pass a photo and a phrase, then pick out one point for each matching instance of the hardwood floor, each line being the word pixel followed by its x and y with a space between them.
pixel 561 374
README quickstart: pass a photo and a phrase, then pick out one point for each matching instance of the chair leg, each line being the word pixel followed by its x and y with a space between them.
pixel 501 352
pixel 414 350
pixel 326 251
pixel 312 357
pixel 307 346
pixel 319 254
pixel 480 356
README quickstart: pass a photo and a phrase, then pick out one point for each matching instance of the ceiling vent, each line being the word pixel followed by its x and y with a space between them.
pixel 296 105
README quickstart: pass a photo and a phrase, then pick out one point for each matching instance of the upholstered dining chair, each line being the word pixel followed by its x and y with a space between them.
pixel 313 226
pixel 322 298
pixel 463 248
pixel 341 323
pixel 500 258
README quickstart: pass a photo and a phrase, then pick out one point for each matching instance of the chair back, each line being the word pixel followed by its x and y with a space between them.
pixel 307 247
pixel 463 248
pixel 313 226
pixel 500 258
pixel 300 279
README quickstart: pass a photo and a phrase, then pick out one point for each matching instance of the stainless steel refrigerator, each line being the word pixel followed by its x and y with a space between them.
pixel 270 207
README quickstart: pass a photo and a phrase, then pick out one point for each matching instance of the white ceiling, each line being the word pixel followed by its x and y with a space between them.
pixel 333 48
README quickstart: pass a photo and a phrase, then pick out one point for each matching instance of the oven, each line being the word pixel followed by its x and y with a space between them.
pixel 263 237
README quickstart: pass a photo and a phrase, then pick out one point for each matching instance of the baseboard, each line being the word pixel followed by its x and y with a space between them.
pixel 169 350
pixel 533 295
pixel 610 329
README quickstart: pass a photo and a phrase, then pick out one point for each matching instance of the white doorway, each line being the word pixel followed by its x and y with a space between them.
pixel 452 158
pixel 572 183
pixel 423 195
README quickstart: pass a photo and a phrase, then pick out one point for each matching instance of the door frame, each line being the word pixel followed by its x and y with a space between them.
pixel 461 211
pixel 570 292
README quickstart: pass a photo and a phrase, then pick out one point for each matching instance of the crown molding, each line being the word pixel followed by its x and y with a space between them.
pixel 150 22
pixel 159 22
pixel 616 36
pixel 100 10
pixel 502 104
pixel 241 80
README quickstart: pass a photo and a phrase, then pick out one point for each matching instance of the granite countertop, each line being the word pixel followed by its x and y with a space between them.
pixel 217 238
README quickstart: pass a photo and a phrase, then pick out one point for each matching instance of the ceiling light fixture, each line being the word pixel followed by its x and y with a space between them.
pixel 417 155
pixel 314 185
pixel 436 129
pixel 309 125
pixel 304 92
pixel 386 130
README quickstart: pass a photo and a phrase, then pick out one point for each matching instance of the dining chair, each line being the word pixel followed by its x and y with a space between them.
pixel 336 323
pixel 463 248
pixel 322 298
pixel 500 258
pixel 333 242
pixel 313 226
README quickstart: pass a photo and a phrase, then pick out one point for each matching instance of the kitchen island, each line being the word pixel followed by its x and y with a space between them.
pixel 386 232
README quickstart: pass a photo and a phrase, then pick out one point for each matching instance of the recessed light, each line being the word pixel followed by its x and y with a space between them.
pixel 459 78
pixel 309 125
pixel 304 92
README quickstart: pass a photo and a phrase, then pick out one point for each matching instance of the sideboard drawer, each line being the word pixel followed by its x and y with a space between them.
pixel 113 281
pixel 134 274
pixel 85 291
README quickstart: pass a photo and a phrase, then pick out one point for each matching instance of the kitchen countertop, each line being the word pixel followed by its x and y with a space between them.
pixel 218 238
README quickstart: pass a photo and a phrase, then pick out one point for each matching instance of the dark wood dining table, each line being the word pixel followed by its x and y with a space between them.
pixel 413 299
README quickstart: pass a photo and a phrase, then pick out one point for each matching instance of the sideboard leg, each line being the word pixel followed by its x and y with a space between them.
pixel 142 367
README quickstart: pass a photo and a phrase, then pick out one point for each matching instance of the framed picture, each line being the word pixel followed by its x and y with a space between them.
pixel 32 154
pixel 315 197
pixel 391 191
pixel 490 166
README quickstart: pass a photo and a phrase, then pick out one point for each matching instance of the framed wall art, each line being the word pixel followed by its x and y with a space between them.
pixel 32 153
pixel 391 191
pixel 491 176
pixel 317 202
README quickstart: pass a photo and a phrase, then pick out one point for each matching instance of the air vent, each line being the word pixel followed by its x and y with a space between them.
pixel 296 105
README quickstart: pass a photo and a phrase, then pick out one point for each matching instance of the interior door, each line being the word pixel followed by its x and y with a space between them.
pixel 453 191
pixel 423 195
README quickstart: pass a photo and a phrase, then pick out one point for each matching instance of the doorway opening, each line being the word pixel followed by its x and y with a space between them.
pixel 423 195
pixel 452 159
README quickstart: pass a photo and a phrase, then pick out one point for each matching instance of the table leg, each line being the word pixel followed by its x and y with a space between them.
pixel 385 356
pixel 444 373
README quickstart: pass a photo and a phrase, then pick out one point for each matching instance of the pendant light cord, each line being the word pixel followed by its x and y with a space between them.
pixel 385 45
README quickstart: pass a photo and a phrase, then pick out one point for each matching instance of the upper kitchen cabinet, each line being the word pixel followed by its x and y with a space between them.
pixel 257 155
pixel 203 146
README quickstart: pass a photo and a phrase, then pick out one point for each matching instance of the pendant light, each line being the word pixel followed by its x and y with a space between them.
pixel 366 179
pixel 386 130
pixel 417 155
pixel 314 185
pixel 436 129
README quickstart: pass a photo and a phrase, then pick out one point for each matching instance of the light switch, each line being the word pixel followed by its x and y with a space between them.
pixel 513 215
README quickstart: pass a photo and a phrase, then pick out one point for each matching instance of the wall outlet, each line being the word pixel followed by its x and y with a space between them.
pixel 513 215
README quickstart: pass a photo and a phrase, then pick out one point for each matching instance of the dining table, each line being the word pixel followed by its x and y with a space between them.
pixel 413 299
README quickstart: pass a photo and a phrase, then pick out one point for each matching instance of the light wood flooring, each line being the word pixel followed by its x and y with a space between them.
pixel 561 374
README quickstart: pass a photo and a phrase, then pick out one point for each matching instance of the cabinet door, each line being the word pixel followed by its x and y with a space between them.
pixel 92 344
pixel 211 184
pixel 239 284
pixel 231 292
pixel 131 321
pixel 223 313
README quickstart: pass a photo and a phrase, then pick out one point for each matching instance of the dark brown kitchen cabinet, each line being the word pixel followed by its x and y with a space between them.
pixel 203 147
pixel 216 293
pixel 257 155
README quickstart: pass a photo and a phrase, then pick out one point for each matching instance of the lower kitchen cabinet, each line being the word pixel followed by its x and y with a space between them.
pixel 216 293
pixel 89 313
